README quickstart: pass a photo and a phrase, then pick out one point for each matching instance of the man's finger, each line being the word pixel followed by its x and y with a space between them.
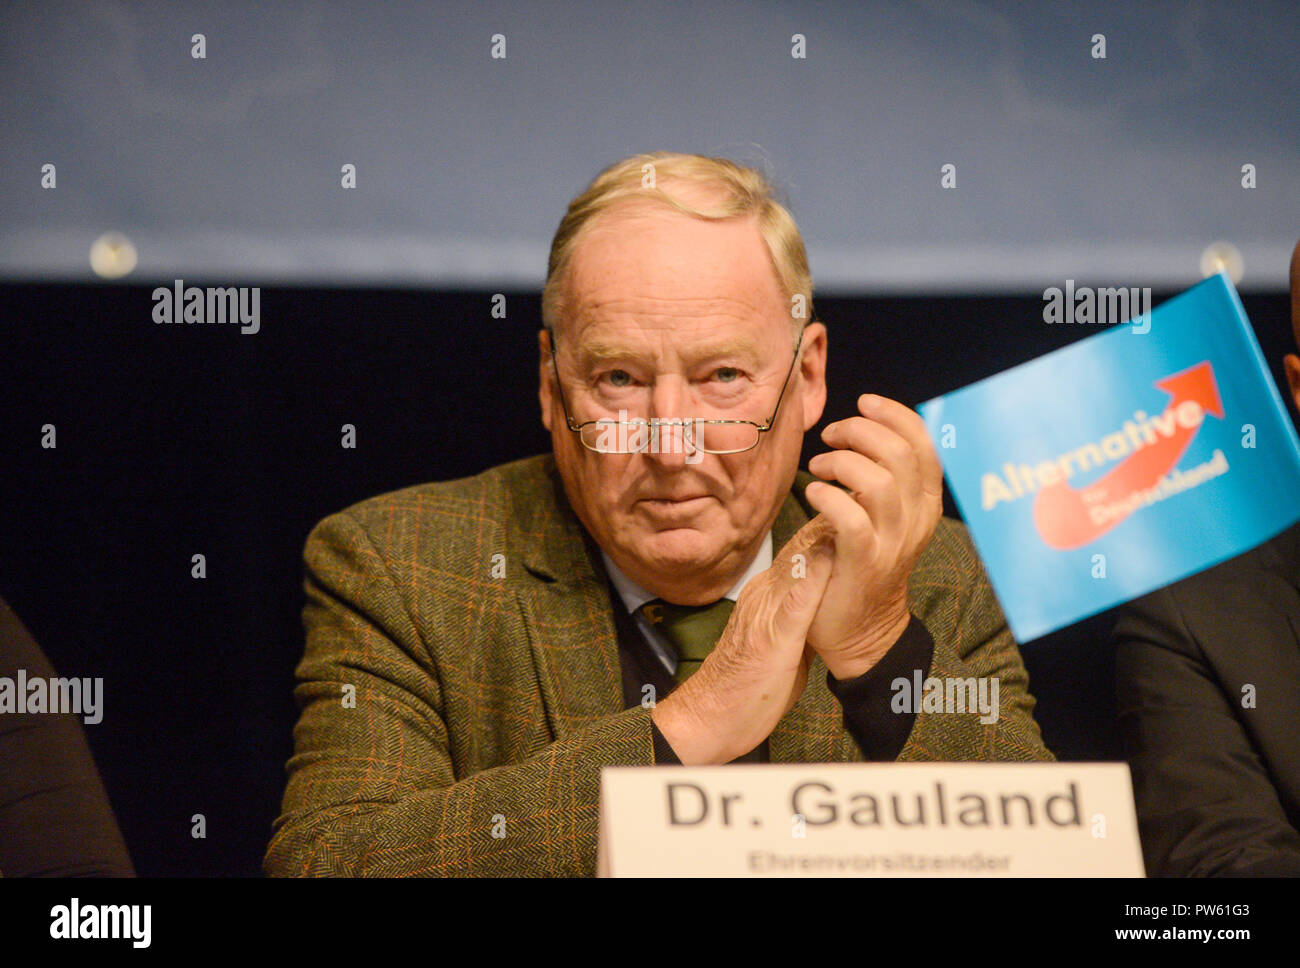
pixel 880 443
pixel 816 532
pixel 877 489
pixel 855 534
pixel 906 423
pixel 799 605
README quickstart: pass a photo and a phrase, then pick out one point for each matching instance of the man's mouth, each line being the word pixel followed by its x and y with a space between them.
pixel 686 503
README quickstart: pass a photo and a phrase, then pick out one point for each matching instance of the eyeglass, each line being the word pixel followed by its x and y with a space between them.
pixel 606 436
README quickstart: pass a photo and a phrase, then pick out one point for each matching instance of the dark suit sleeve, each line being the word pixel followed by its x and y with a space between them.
pixel 55 820
pixel 665 755
pixel 869 716
pixel 1205 802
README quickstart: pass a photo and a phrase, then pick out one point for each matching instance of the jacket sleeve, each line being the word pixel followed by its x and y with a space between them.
pixel 372 790
pixel 1205 803
pixel 971 639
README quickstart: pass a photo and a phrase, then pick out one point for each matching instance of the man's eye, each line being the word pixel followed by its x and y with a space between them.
pixel 727 374
pixel 619 378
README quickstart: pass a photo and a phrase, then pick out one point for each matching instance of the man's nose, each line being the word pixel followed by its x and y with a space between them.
pixel 670 398
pixel 671 444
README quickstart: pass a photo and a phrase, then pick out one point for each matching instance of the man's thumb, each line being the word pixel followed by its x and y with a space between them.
pixel 810 570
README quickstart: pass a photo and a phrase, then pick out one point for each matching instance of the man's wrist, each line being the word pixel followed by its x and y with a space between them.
pixel 691 745
pixel 858 659
pixel 664 754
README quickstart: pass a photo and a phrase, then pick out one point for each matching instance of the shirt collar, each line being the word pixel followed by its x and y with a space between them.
pixel 634 596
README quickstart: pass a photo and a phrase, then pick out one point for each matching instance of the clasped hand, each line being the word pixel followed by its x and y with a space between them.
pixel 837 589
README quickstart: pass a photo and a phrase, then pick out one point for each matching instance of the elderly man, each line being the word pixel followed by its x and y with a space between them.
pixel 666 587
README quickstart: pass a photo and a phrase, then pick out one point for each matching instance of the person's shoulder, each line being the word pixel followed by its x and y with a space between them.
pixel 459 509
pixel 1245 577
pixel 1257 589
pixel 522 477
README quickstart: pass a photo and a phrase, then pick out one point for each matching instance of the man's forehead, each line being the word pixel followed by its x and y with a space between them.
pixel 602 343
pixel 642 275
pixel 622 327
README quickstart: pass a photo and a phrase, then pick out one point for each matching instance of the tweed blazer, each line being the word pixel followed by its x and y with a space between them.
pixel 460 689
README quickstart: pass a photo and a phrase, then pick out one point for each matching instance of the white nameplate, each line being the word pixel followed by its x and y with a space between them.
pixel 869 820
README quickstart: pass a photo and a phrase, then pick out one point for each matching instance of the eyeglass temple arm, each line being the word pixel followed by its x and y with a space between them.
pixel 781 396
pixel 555 368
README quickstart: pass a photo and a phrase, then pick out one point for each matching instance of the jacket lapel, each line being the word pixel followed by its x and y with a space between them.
pixel 566 607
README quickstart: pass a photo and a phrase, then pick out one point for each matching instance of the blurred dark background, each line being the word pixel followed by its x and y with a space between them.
pixel 225 170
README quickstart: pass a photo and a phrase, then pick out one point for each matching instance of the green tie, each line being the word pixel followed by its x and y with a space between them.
pixel 692 629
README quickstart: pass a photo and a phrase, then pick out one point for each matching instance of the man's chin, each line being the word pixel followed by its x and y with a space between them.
pixel 677 552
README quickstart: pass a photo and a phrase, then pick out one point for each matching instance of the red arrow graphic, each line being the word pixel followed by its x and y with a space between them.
pixel 1061 512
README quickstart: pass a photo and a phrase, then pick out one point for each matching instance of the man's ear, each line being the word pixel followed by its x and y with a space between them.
pixel 812 374
pixel 1291 363
pixel 544 376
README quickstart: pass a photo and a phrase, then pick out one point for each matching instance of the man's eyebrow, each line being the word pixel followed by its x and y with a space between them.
pixel 738 345
pixel 603 351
